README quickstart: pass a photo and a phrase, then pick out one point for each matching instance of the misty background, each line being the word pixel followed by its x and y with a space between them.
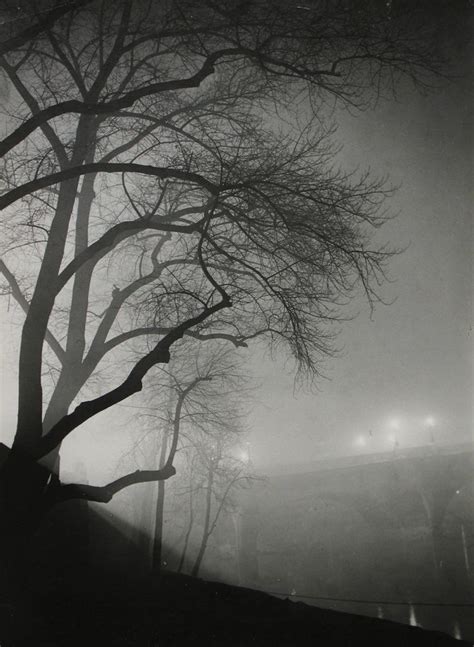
pixel 406 367
pixel 393 519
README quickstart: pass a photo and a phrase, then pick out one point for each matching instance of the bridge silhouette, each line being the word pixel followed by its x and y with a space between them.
pixel 387 534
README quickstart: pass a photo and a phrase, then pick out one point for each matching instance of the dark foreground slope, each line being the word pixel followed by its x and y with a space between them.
pixel 180 610
pixel 86 585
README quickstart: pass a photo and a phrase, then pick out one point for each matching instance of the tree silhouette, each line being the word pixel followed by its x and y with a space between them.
pixel 168 172
pixel 195 402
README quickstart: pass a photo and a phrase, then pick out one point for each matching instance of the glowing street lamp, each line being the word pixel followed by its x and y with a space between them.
pixel 245 454
pixel 360 441
pixel 394 424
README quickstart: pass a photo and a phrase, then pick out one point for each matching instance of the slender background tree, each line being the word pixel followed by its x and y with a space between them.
pixel 197 402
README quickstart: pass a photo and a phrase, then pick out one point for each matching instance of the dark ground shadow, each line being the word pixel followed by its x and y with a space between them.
pixel 86 587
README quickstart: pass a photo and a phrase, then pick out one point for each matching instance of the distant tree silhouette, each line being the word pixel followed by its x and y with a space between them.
pixel 197 400
pixel 224 472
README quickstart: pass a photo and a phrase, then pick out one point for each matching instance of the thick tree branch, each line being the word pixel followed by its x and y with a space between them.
pixel 112 238
pixel 154 123
pixel 98 346
pixel 115 53
pixel 30 399
pixel 132 384
pixel 113 106
pixel 35 109
pixel 158 330
pixel 45 21
pixel 110 107
pixel 104 493
pixel 24 304
pixel 161 172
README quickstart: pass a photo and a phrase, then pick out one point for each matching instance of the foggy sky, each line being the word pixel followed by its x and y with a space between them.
pixel 413 359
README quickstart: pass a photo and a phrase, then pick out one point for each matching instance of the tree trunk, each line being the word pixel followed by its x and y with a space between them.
pixel 67 388
pixel 30 393
pixel 143 525
pixel 207 522
pixel 157 552
pixel 188 532
pixel 22 483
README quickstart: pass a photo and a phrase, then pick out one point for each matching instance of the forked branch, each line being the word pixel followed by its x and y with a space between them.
pixel 160 354
pixel 103 494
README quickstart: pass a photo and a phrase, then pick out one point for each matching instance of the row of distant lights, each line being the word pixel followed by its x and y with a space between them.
pixel 394 425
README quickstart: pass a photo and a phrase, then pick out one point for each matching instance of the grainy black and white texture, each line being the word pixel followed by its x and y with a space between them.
pixel 207 210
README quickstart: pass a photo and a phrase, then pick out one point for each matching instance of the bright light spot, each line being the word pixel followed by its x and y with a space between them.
pixel 413 622
pixel 430 421
pixel 457 631
pixel 360 441
pixel 394 424
pixel 244 456
pixel 457 491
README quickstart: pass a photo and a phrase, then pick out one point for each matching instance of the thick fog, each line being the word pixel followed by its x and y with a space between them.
pixel 401 380
pixel 405 370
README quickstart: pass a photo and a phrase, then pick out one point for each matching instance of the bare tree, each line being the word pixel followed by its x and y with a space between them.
pixel 224 473
pixel 201 395
pixel 153 190
pixel 22 22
